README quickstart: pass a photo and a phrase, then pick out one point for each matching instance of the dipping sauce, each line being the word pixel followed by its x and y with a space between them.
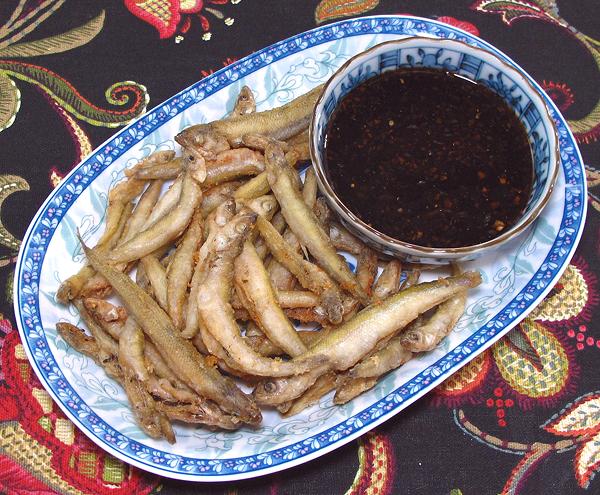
pixel 430 158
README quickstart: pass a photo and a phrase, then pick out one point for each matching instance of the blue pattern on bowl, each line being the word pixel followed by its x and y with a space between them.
pixel 429 54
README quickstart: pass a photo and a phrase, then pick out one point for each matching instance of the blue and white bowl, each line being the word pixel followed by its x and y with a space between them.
pixel 477 64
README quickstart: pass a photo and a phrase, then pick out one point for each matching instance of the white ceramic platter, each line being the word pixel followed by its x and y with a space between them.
pixel 514 279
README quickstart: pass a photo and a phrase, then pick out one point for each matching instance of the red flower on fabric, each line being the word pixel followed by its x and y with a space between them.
pixel 166 15
pixel 581 420
pixel 464 25
pixel 226 62
pixel 46 449
pixel 560 93
pixel 15 480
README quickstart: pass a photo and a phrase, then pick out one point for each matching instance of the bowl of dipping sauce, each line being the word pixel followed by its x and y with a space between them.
pixel 432 150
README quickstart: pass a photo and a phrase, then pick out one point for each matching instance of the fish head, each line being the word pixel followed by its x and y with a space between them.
pixel 231 236
pixel 161 156
pixel 224 212
pixel 195 164
pixel 204 139
pixel 267 390
pixel 275 161
pixel 265 206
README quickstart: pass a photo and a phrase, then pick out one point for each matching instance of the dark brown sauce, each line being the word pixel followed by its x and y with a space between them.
pixel 429 158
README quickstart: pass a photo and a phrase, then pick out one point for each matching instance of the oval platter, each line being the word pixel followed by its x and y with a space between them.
pixel 514 279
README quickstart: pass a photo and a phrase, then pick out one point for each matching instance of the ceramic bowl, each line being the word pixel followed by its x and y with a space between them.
pixel 479 65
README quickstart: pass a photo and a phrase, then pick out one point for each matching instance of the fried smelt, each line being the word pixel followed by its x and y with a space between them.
pixel 298 153
pixel 131 350
pixel 86 282
pixel 142 210
pixel 244 102
pixel 216 312
pixel 324 384
pixel 162 388
pixel 388 282
pixel 390 357
pixel 96 285
pixel 281 277
pixel 279 391
pixel 259 185
pixel 71 288
pixel 348 343
pixel 164 171
pixel 104 340
pixel 154 424
pixel 202 141
pixel 157 277
pixel 344 240
pixel 411 279
pixel 96 309
pixel 181 269
pixel 165 203
pixel 257 294
pixel 297 299
pixel 260 142
pixel 366 268
pixel 256 186
pixel 366 271
pixel 233 164
pixel 264 206
pixel 309 315
pixel 141 279
pixel 164 230
pixel 299 139
pixel 105 312
pixel 118 198
pixel 348 389
pixel 218 218
pixel 262 345
pixel 112 318
pixel 252 329
pixel 77 339
pixel 215 348
pixel 155 159
pixel 199 344
pixel 424 335
pixel 261 248
pixel 305 225
pixel 309 275
pixel 279 123
pixel 200 412
pixel 158 365
pixel 181 356
pixel 323 213
pixel 213 197
pixel 165 259
pixel 310 188
pixel 119 205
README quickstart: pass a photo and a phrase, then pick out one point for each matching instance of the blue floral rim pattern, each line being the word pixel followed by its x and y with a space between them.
pixel 48 218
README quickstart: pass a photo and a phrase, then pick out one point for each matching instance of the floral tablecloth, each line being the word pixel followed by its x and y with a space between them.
pixel 521 418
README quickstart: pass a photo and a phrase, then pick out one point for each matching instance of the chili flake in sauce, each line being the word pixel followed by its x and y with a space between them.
pixel 429 158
